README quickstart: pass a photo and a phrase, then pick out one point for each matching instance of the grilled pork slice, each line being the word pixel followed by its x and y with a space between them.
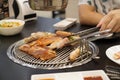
pixel 62 43
pixel 53 45
pixel 48 40
pixel 35 36
pixel 63 33
pixel 117 55
pixel 43 53
pixel 74 54
pixel 59 43
pixel 25 47
pixel 44 41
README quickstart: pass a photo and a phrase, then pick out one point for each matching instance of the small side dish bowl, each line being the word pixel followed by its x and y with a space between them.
pixel 9 27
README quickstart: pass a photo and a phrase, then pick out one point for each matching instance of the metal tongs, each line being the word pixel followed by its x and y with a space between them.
pixel 92 34
pixel 113 72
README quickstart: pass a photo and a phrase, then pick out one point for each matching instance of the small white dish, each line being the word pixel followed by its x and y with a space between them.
pixel 94 73
pixel 111 51
pixel 64 24
pixel 71 75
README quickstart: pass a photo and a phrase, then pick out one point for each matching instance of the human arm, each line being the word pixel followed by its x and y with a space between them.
pixel 88 15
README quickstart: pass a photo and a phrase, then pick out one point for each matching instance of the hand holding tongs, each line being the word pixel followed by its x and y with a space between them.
pixel 92 34
pixel 113 72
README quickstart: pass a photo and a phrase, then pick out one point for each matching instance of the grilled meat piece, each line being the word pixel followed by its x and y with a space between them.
pixel 74 54
pixel 63 33
pixel 48 40
pixel 42 53
pixel 35 36
pixel 39 52
pixel 59 43
pixel 24 47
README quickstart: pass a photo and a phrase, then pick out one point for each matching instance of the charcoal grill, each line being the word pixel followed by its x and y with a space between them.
pixel 60 62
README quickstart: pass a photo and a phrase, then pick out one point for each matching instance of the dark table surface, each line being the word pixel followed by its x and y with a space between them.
pixel 13 71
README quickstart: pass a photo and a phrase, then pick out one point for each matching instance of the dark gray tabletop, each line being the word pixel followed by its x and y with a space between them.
pixel 13 71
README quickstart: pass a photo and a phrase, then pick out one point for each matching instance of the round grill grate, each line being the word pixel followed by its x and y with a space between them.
pixel 60 62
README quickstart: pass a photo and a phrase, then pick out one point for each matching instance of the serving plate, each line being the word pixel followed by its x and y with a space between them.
pixel 71 75
pixel 111 51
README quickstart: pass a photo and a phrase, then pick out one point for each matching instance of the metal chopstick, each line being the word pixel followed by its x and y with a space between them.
pixel 113 72
pixel 115 78
pixel 112 69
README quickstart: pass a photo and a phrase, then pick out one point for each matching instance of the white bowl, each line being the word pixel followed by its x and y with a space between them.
pixel 13 29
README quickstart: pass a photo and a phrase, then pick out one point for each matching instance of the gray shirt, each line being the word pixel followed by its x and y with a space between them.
pixel 102 6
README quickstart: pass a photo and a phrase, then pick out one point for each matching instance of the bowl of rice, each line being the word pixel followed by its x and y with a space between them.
pixel 9 27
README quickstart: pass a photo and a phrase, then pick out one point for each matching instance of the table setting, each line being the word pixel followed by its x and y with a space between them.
pixel 99 61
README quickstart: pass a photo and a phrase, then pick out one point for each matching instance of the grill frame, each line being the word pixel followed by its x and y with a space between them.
pixel 78 62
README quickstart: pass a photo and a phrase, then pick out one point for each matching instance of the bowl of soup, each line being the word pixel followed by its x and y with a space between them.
pixel 9 27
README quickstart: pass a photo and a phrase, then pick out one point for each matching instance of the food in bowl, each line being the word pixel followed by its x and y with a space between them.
pixel 11 26
pixel 6 24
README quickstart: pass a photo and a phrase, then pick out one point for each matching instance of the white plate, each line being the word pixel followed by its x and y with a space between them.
pixel 111 51
pixel 71 75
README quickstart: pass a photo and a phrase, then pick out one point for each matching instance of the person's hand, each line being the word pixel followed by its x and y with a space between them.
pixel 111 21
